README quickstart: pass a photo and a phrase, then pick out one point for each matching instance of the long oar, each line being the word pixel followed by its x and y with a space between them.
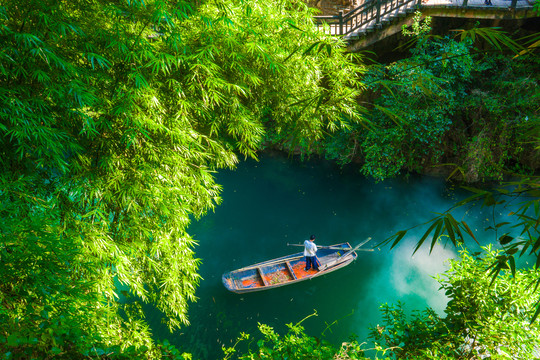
pixel 337 260
pixel 362 243
pixel 273 262
pixel 356 247
pixel 333 247
pixel 320 246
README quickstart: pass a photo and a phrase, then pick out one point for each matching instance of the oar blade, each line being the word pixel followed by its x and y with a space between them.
pixel 349 251
pixel 363 243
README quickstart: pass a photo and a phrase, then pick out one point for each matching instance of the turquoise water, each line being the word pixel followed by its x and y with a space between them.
pixel 276 201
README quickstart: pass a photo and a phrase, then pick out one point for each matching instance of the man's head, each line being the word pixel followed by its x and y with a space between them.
pixel 312 237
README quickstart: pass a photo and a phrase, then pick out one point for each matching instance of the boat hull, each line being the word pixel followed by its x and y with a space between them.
pixel 287 270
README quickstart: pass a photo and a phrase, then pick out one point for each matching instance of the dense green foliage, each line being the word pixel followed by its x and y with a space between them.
pixel 448 103
pixel 492 105
pixel 113 117
pixel 296 344
pixel 482 320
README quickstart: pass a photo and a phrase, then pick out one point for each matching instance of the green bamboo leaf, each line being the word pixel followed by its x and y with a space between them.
pixel 423 238
pixel 493 36
pixel 470 199
pixel 512 265
pixel 536 313
pixel 291 54
pixel 399 235
pixel 468 230
pixel 489 200
pixel 436 235
pixel 505 239
pixel 495 272
pixel 475 190
pixel 453 172
pixel 450 231
pixel 536 246
pixel 537 284
pixel 512 250
pixel 308 51
pixel 501 224
pixel 398 119
pixel 530 48
pixel 526 245
pixel 291 24
pixel 455 226
pixel 321 98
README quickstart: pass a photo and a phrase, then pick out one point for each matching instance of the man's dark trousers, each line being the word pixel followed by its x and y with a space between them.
pixel 311 261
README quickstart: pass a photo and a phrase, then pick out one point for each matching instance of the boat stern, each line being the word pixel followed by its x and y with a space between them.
pixel 228 282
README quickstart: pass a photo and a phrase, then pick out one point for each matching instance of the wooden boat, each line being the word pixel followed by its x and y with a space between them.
pixel 288 269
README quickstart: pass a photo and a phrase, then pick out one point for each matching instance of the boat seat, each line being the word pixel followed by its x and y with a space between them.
pixel 291 270
pixel 262 276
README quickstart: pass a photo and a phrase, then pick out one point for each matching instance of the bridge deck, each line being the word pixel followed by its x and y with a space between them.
pixel 376 14
pixel 504 4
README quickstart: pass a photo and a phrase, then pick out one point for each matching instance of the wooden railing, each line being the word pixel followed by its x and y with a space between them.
pixel 373 14
pixel 366 16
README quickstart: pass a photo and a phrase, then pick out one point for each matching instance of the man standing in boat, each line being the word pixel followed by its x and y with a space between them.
pixel 310 252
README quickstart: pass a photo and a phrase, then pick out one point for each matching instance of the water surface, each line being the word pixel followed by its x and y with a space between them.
pixel 278 200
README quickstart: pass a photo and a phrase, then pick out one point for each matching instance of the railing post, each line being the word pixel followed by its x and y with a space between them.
pixel 514 3
pixel 340 14
pixel 378 19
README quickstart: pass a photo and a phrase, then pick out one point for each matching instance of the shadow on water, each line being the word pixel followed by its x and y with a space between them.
pixel 276 201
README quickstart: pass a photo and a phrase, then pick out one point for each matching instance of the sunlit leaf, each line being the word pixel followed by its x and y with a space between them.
pixel 536 313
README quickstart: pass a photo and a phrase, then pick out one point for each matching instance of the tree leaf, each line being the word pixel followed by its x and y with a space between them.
pixel 423 238
pixel 436 235
pixel 505 239
pixel 468 230
pixel 399 235
pixel 536 313
pixel 512 265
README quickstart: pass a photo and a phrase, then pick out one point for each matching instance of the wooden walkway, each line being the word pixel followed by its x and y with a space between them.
pixel 375 15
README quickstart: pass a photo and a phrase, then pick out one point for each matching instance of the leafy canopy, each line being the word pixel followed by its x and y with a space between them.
pixel 465 102
pixel 113 118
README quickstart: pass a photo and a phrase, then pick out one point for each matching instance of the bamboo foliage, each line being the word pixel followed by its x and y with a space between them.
pixel 113 119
